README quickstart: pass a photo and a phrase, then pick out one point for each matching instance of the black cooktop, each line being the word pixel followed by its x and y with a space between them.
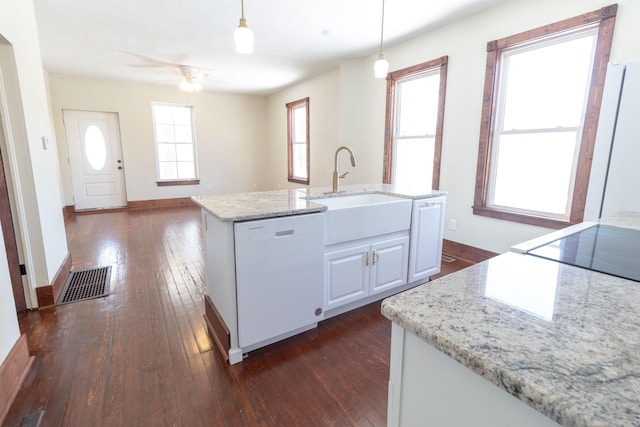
pixel 603 248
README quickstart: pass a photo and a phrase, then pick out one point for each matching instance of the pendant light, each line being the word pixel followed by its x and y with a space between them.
pixel 381 66
pixel 243 35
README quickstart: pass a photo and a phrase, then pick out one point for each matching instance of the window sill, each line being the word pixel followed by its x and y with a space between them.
pixel 178 182
pixel 298 180
pixel 522 218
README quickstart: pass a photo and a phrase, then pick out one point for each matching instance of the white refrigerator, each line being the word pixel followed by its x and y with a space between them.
pixel 614 184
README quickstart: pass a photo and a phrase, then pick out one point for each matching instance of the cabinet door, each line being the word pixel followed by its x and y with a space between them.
pixel 427 221
pixel 346 275
pixel 388 263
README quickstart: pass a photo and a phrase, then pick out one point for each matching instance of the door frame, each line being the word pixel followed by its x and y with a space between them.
pixel 9 235
pixel 10 219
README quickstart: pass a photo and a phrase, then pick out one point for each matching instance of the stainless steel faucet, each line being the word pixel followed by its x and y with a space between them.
pixel 336 175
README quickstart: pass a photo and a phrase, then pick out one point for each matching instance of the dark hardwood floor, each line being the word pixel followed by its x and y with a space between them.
pixel 141 356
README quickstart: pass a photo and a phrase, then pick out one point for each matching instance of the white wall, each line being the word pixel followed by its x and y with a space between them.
pixel 341 113
pixel 230 134
pixel 32 169
pixel 323 92
pixel 362 110
pixel 363 101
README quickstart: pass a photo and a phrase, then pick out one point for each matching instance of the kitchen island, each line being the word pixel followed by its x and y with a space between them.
pixel 560 339
pixel 278 262
pixel 235 207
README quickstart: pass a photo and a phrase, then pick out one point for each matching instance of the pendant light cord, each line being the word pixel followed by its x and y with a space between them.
pixel 382 27
pixel 242 8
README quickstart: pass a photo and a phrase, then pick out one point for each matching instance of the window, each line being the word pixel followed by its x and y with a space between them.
pixel 413 134
pixel 175 144
pixel 95 148
pixel 541 105
pixel 298 141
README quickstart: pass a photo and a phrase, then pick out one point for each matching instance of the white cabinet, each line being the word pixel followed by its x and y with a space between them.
pixel 426 388
pixel 389 264
pixel 357 270
pixel 427 224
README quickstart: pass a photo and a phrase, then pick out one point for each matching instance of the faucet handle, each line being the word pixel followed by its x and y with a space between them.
pixel 344 174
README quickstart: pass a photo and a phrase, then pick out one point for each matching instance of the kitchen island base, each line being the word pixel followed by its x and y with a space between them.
pixel 428 388
pixel 279 262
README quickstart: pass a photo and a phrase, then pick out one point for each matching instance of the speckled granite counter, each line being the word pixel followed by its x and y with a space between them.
pixel 269 204
pixel 562 339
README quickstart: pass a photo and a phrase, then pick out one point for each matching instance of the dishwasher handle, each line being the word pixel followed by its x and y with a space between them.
pixel 284 233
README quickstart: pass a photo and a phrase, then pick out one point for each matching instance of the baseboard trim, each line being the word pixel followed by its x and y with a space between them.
pixel 13 371
pixel 161 203
pixel 465 252
pixel 216 327
pixel 48 295
pixel 70 210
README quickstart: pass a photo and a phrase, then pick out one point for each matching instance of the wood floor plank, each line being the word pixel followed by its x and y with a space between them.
pixel 141 356
pixel 91 342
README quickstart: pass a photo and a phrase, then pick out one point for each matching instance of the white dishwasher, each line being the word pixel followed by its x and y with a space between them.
pixel 279 277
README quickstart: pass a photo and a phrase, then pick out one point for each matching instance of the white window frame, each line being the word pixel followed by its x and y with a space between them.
pixel 179 180
pixel 499 130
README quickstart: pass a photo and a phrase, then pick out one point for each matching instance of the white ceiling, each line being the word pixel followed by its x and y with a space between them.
pixel 146 40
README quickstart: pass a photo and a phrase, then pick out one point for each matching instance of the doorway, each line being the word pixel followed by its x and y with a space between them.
pixel 9 216
pixel 95 159
pixel 9 237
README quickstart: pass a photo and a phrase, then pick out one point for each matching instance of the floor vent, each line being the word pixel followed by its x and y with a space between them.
pixel 447 258
pixel 86 284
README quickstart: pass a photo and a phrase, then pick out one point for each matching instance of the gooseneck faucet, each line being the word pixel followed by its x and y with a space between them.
pixel 336 175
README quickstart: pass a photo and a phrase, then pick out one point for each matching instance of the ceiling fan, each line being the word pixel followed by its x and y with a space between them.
pixel 191 78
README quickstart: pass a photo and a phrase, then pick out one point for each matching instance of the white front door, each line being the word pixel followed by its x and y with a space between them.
pixel 95 158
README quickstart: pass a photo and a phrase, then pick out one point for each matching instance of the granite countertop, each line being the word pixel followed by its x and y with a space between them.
pixel 270 204
pixel 563 339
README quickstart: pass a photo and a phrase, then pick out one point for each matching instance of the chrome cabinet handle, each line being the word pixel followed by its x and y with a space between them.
pixel 375 257
pixel 366 258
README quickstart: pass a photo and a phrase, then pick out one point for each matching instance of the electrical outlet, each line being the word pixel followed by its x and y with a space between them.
pixel 453 224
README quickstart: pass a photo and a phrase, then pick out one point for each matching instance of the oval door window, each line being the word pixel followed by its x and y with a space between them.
pixel 95 147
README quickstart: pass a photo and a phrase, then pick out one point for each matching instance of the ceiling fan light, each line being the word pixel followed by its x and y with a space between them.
pixel 190 87
pixel 381 67
pixel 243 37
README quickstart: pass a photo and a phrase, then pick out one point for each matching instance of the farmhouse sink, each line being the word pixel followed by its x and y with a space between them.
pixel 352 217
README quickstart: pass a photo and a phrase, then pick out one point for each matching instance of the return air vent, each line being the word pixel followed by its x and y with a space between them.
pixel 86 284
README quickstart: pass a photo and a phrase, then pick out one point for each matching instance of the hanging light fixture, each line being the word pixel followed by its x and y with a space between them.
pixel 191 77
pixel 381 66
pixel 189 85
pixel 243 35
